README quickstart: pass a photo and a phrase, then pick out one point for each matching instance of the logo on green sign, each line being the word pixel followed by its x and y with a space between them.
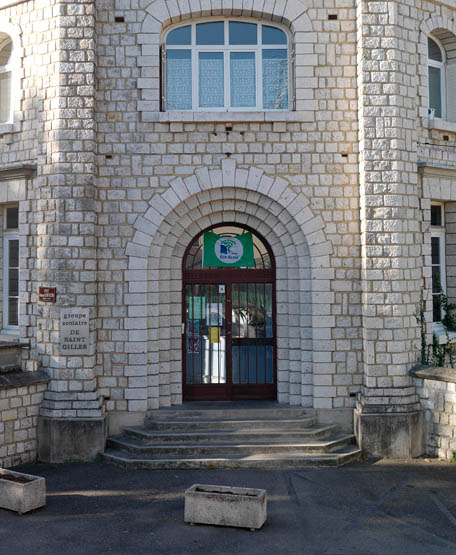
pixel 228 250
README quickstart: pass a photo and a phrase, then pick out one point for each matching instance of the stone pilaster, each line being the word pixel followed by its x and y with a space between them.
pixel 386 418
pixel 66 236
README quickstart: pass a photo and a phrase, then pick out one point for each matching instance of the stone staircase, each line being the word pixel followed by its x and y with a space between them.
pixel 241 436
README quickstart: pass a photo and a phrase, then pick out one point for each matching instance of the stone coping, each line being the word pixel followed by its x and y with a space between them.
pixel 21 379
pixel 440 374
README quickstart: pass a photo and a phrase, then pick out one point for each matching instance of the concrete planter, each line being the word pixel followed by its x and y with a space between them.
pixel 225 506
pixel 21 492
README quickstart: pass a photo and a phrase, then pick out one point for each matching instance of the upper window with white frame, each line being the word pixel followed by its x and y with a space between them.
pixel 226 65
pixel 6 71
pixel 436 75
pixel 442 75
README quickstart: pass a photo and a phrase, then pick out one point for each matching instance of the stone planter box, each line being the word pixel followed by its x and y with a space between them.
pixel 21 492
pixel 225 506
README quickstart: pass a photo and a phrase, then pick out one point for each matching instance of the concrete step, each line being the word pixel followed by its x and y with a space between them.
pixel 231 435
pixel 265 434
pixel 272 461
pixel 139 447
pixel 230 411
pixel 194 424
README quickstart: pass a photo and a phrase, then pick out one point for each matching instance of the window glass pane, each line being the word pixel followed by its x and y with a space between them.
pixel 5 53
pixel 13 261
pixel 182 35
pixel 13 282
pixel 436 282
pixel 13 312
pixel 5 96
pixel 243 79
pixel 436 215
pixel 435 250
pixel 211 80
pixel 179 79
pixel 243 33
pixel 12 217
pixel 275 79
pixel 434 52
pixel 272 35
pixel 435 91
pixel 436 310
pixel 210 33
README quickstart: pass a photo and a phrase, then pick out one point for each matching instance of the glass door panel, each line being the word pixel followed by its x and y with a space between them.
pixel 205 334
pixel 252 333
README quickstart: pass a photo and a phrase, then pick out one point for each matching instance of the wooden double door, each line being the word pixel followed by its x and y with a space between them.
pixel 228 339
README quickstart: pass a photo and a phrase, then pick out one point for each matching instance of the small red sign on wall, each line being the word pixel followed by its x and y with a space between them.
pixel 47 294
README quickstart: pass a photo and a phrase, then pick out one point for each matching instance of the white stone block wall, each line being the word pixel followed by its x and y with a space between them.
pixel 19 411
pixel 109 164
pixel 438 400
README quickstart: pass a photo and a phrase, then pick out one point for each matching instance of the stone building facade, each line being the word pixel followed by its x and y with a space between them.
pixel 111 185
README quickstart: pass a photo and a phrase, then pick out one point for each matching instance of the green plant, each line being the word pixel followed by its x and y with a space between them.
pixel 420 318
pixel 449 320
pixel 453 458
pixel 435 354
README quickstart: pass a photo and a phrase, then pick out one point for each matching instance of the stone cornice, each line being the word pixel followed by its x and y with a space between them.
pixel 426 167
pixel 17 171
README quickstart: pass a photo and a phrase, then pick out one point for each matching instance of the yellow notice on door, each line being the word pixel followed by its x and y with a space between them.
pixel 214 334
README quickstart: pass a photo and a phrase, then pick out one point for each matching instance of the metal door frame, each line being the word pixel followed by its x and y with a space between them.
pixel 228 276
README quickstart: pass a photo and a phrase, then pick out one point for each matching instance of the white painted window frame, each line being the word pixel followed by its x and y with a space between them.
pixel 8 236
pixel 227 49
pixel 10 68
pixel 439 231
pixel 442 67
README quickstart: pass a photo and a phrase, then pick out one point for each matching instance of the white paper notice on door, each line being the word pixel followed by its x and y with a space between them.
pixel 214 314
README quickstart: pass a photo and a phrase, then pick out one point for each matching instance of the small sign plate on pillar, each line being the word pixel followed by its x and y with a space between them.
pixel 74 331
pixel 47 294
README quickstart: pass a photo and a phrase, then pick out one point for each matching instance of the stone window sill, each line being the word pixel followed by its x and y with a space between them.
pixel 442 125
pixel 190 117
pixel 439 330
pixel 6 128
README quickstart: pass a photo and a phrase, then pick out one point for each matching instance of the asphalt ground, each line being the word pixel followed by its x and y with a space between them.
pixel 385 507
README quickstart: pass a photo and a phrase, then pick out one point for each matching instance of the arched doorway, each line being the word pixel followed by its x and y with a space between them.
pixel 228 321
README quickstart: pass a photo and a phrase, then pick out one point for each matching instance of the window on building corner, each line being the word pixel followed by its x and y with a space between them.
pixel 10 297
pixel 226 65
pixel 437 259
pixel 442 76
pixel 6 48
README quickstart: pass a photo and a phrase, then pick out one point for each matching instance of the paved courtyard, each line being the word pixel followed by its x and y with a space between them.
pixel 366 508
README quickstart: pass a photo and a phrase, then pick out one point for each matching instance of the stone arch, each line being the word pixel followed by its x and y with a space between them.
pixel 161 13
pixel 155 253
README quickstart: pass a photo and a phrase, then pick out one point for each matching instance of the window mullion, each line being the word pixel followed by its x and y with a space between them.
pixel 259 77
pixel 195 80
pixel 227 77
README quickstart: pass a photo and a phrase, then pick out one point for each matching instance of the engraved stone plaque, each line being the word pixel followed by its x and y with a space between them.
pixel 74 331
